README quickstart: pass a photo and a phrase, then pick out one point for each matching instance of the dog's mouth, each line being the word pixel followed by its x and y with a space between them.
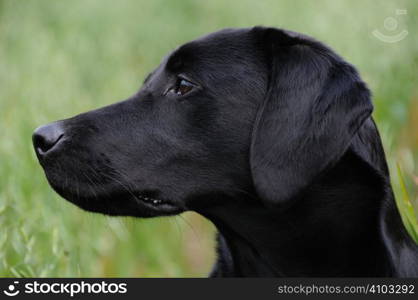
pixel 113 198
pixel 151 201
pixel 161 205
pixel 123 204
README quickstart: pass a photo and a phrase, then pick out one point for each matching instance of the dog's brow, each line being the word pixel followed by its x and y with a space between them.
pixel 175 61
pixel 148 77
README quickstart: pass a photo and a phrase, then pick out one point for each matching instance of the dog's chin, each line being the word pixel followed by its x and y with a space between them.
pixel 118 203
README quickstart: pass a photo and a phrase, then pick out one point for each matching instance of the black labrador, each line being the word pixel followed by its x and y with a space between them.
pixel 265 132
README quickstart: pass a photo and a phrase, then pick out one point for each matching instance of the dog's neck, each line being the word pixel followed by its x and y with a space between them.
pixel 326 232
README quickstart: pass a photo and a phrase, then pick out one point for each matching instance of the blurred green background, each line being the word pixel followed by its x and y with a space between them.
pixel 60 58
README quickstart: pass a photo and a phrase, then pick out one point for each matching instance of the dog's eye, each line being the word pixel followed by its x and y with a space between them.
pixel 183 87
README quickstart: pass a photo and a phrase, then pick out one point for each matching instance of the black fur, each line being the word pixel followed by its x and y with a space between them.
pixel 275 144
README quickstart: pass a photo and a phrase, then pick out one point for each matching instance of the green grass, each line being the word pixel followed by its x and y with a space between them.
pixel 405 206
pixel 60 58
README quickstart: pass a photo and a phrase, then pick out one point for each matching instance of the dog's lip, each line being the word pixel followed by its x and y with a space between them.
pixel 137 206
pixel 157 203
pixel 152 201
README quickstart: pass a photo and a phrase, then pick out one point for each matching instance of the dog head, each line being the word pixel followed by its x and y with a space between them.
pixel 256 111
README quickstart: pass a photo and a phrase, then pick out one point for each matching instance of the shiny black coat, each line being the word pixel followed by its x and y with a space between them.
pixel 265 132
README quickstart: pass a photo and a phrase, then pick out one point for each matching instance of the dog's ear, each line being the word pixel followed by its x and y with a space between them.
pixel 314 104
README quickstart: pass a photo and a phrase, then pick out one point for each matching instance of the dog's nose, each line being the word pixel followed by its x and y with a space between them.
pixel 47 137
